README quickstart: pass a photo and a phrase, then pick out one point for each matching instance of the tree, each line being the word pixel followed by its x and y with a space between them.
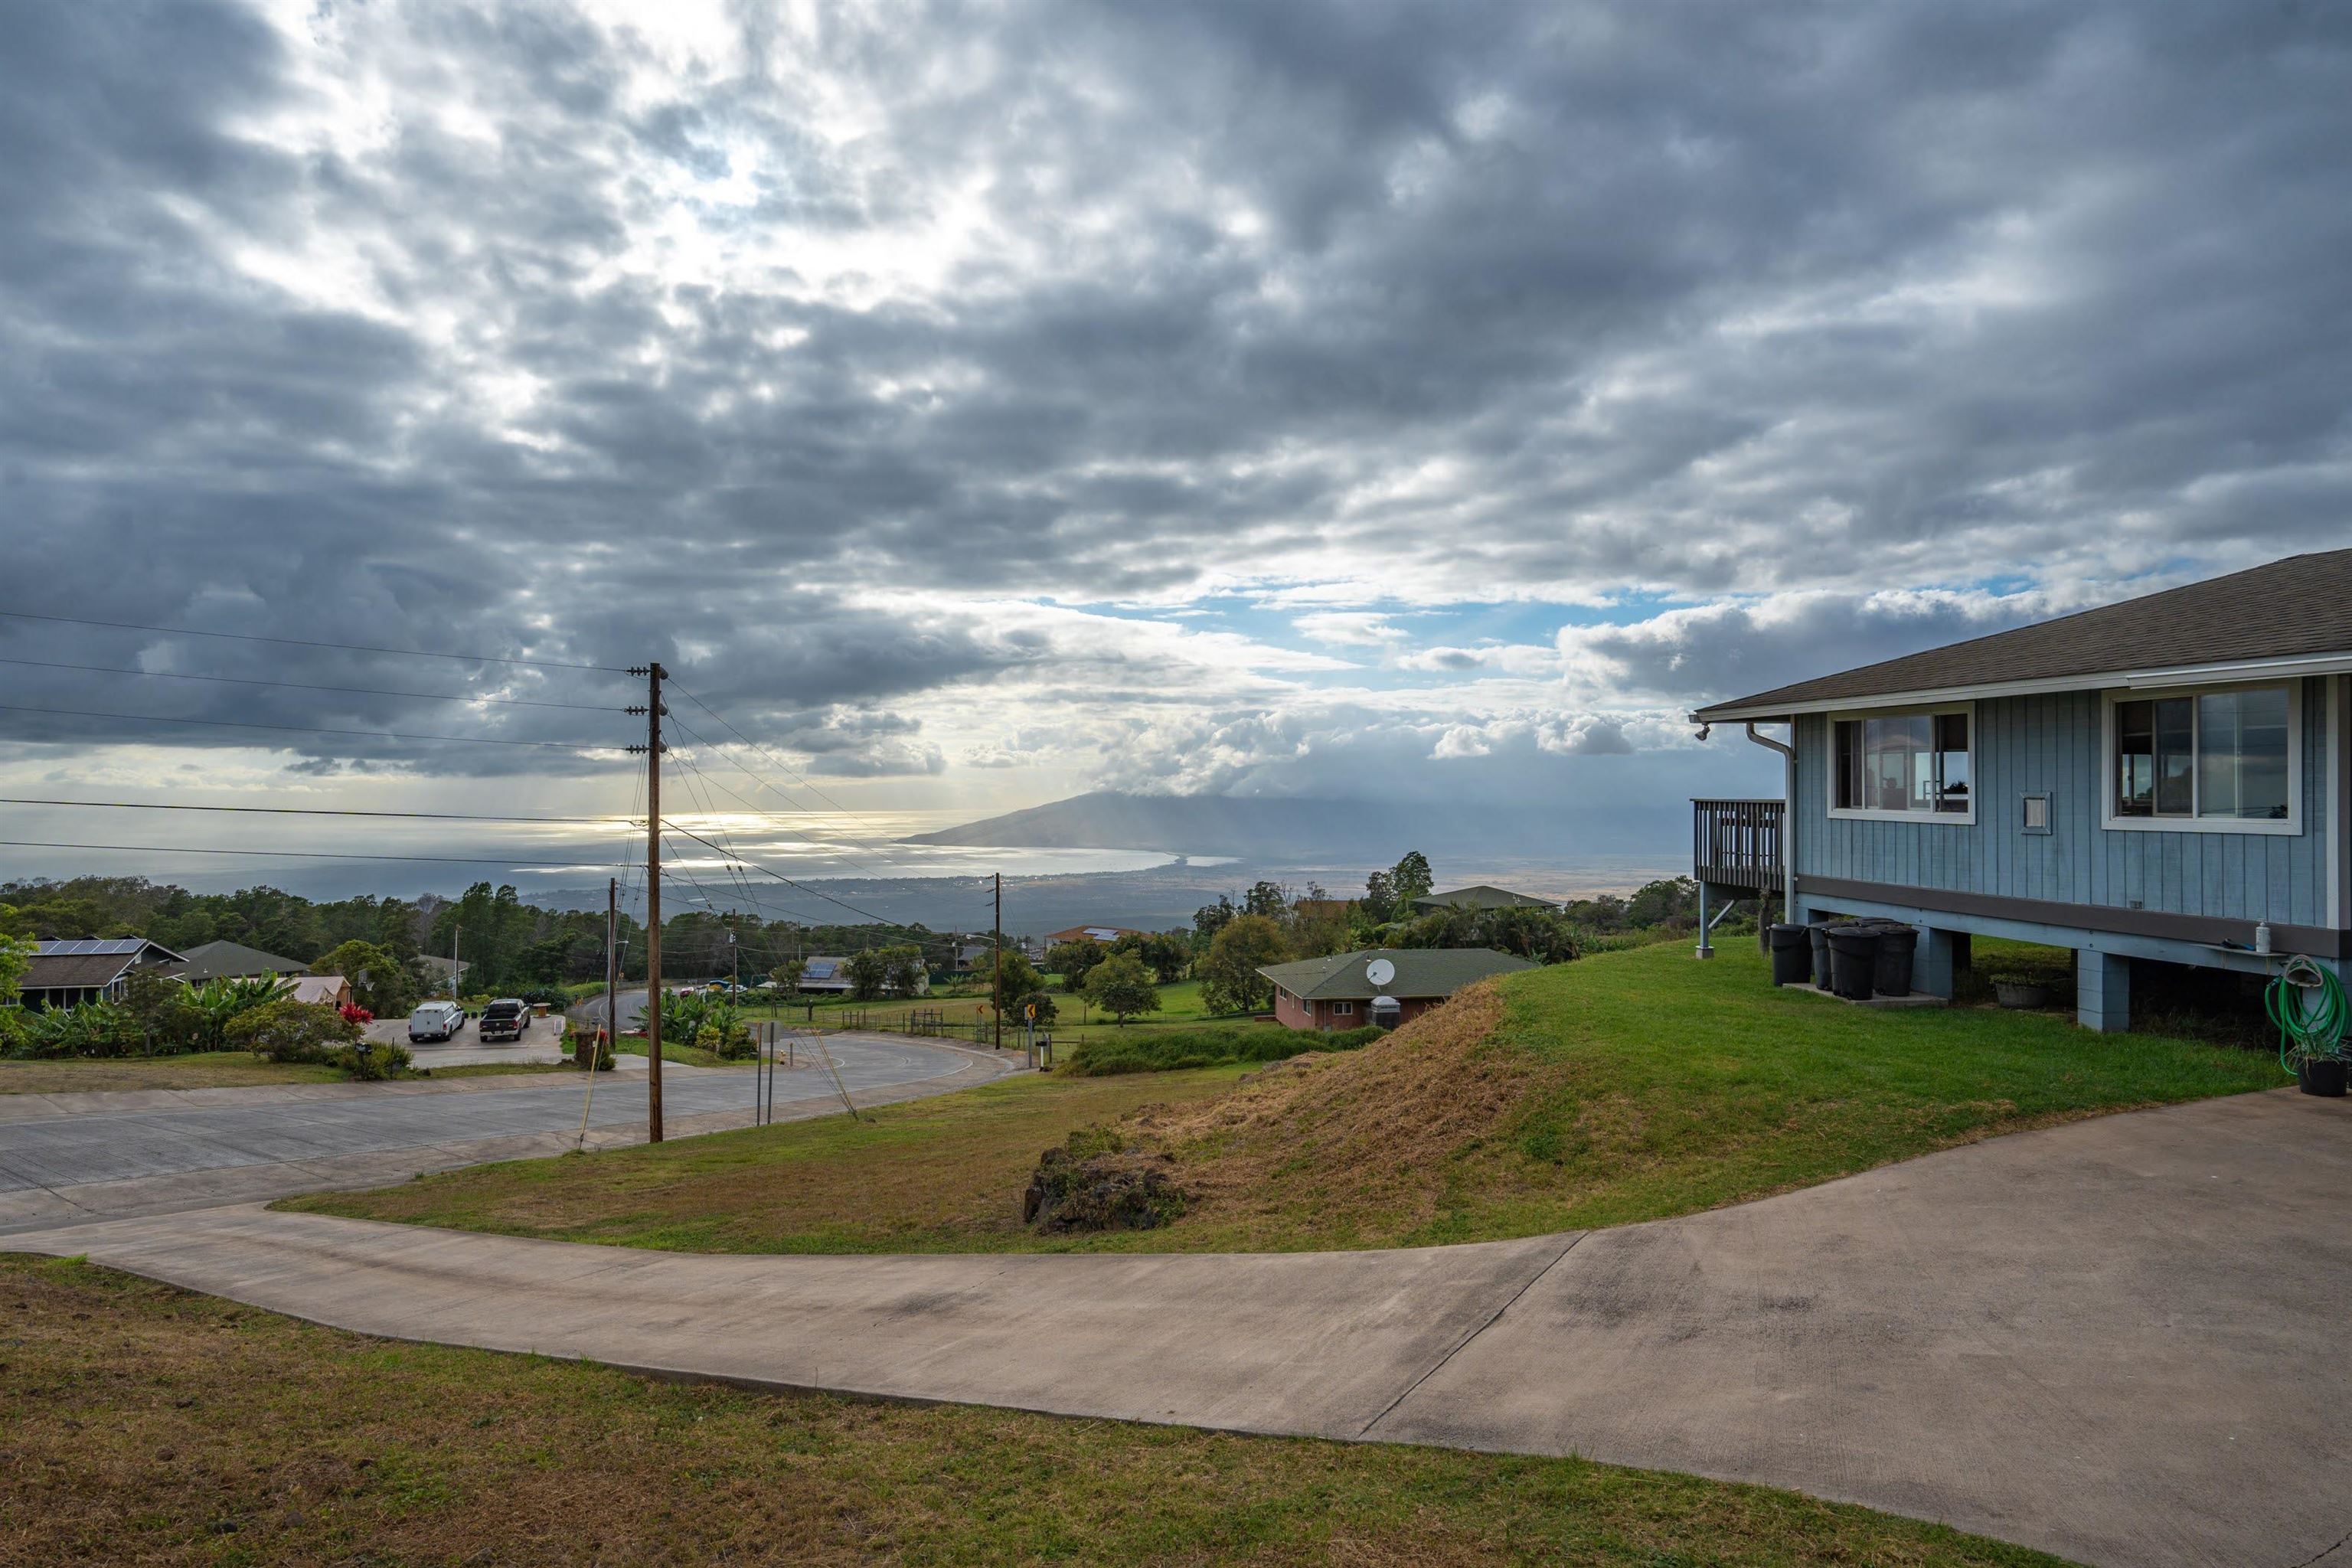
pixel 1670 901
pixel 1209 920
pixel 381 983
pixel 902 969
pixel 1230 982
pixel 1073 960
pixel 160 1006
pixel 1122 987
pixel 1378 903
pixel 787 975
pixel 1409 880
pixel 867 974
pixel 15 954
pixel 1271 899
pixel 1167 955
pixel 1019 978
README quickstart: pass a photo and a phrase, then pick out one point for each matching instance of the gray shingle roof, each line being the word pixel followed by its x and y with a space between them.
pixel 1420 971
pixel 2297 607
pixel 207 959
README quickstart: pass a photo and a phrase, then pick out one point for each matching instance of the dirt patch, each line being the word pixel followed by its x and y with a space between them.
pixel 1382 1123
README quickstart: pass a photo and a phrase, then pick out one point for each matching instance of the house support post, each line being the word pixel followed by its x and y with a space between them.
pixel 1704 951
pixel 2103 991
pixel 1931 962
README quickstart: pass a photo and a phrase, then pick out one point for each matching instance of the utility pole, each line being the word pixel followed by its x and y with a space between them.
pixel 653 711
pixel 454 929
pixel 612 974
pixel 998 948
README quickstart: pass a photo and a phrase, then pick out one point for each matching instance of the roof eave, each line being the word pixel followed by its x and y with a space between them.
pixel 1749 709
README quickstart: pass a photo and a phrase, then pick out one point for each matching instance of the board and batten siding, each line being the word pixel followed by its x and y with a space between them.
pixel 2053 744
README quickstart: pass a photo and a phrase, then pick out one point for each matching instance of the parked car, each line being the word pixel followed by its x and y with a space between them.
pixel 505 1019
pixel 435 1021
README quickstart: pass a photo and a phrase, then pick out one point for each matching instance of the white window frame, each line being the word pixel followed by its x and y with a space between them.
pixel 2290 827
pixel 1873 813
pixel 1343 1009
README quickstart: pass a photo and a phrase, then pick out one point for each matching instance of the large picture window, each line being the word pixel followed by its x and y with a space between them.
pixel 1898 765
pixel 2211 756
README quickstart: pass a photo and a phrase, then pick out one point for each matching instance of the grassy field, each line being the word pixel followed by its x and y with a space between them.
pixel 931 1176
pixel 149 1426
pixel 198 1069
pixel 683 1056
pixel 1624 1087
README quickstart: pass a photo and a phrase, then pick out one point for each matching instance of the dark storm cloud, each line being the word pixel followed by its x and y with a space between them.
pixel 1708 298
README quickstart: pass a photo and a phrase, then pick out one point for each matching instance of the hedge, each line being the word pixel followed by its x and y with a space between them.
pixel 1166 1050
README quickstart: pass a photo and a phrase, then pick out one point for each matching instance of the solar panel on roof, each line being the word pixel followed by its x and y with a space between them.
pixel 87 946
pixel 821 971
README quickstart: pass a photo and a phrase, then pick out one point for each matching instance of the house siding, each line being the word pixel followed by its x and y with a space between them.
pixel 2053 744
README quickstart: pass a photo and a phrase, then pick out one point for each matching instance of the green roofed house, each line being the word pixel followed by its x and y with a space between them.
pixel 1481 897
pixel 1339 993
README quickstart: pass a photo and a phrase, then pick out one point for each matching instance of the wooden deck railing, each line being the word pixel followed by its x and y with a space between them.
pixel 1737 843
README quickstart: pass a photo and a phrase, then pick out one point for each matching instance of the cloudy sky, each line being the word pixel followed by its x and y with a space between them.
pixel 980 404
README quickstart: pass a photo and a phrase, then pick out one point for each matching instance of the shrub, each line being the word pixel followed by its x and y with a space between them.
pixel 92 1029
pixel 1122 987
pixel 1168 1050
pixel 381 1059
pixel 290 1031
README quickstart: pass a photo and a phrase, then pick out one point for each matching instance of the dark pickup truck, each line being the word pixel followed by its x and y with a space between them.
pixel 505 1019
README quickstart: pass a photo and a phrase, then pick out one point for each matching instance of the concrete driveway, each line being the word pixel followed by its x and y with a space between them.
pixel 2118 1339
pixel 70 1157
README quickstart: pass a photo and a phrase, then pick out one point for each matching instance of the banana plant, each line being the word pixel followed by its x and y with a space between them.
pixel 218 1000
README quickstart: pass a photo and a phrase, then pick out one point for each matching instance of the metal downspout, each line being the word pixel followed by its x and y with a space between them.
pixel 1788 815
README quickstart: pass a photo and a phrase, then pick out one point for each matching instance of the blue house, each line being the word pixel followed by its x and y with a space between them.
pixel 2160 780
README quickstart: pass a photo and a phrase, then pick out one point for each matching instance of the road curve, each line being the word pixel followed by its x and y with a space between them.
pixel 64 1158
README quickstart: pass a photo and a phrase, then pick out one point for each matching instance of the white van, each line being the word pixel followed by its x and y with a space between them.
pixel 435 1021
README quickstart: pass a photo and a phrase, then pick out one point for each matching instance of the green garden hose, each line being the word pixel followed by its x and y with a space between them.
pixel 2315 1025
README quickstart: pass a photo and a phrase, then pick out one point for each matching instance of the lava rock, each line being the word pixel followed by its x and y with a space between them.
pixel 1116 1190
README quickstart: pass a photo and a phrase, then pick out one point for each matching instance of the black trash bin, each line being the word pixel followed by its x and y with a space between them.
pixel 1853 960
pixel 1793 954
pixel 1821 955
pixel 1891 974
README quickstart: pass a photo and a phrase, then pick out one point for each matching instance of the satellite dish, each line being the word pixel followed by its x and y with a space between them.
pixel 1380 971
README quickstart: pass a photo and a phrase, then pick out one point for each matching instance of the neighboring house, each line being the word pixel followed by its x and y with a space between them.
pixel 1103 934
pixel 88 969
pixel 975 955
pixel 232 961
pixel 1338 993
pixel 830 976
pixel 1482 897
pixel 2160 780
pixel 440 969
pixel 332 989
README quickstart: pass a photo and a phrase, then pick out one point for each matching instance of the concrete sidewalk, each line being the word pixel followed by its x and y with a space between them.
pixel 2116 1340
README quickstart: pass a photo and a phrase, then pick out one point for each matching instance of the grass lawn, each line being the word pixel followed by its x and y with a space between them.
pixel 146 1424
pixel 931 1176
pixel 1625 1087
pixel 683 1056
pixel 198 1069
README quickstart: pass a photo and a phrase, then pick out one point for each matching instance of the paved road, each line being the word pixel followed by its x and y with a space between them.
pixel 2119 1340
pixel 67 1157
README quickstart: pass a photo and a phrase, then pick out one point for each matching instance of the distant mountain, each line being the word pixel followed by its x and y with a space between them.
pixel 1277 830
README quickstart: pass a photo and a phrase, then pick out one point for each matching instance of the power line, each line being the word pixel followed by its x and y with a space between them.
pixel 801 834
pixel 779 762
pixel 301 729
pixel 324 811
pixel 307 686
pixel 302 642
pixel 779 876
pixel 293 854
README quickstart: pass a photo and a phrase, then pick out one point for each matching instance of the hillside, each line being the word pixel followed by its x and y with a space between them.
pixel 1625 1087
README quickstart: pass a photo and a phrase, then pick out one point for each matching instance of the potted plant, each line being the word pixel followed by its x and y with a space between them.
pixel 2029 979
pixel 2322 1074
pixel 2308 1004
